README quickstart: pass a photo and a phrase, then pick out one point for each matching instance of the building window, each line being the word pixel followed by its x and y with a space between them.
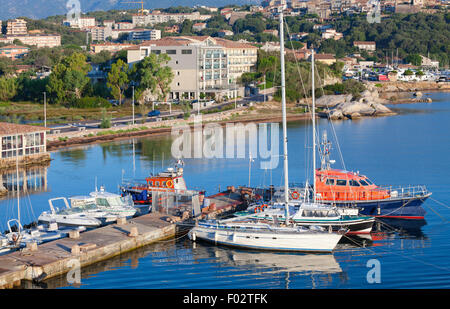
pixel 156 51
pixel 171 51
pixel 186 51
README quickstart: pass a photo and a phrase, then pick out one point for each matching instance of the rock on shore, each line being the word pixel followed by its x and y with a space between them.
pixel 342 106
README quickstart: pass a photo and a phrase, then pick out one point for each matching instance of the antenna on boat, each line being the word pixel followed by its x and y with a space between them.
pixel 283 105
pixel 96 184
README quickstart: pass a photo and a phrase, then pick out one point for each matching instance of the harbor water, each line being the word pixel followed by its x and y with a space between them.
pixel 410 148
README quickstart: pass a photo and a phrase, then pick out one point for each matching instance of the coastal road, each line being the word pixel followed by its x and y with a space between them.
pixel 124 121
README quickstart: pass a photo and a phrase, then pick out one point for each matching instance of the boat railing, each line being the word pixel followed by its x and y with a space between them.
pixel 406 191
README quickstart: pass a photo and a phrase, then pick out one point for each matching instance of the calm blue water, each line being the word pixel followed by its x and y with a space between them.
pixel 409 148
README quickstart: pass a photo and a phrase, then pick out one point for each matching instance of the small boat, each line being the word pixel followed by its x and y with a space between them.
pixel 265 236
pixel 170 180
pixel 97 209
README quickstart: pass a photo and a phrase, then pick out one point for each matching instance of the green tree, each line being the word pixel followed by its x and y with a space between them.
pixel 117 79
pixel 68 78
pixel 186 26
pixel 8 88
pixel 408 73
pixel 414 59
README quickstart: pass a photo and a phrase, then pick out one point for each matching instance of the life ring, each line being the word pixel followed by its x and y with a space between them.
pixel 258 208
pixel 264 206
pixel 169 184
pixel 295 195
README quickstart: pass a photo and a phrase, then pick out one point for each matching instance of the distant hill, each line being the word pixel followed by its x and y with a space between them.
pixel 38 9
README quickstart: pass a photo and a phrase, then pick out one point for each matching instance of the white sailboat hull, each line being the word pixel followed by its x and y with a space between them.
pixel 266 240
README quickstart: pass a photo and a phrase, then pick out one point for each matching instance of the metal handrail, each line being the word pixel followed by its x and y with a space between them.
pixel 407 191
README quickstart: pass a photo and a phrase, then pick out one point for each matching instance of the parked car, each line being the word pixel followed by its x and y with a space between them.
pixel 443 79
pixel 154 113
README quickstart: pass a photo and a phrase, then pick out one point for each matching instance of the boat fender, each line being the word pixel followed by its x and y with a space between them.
pixel 194 237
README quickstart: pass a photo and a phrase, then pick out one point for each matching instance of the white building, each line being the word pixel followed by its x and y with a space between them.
pixel 81 23
pixel 157 17
pixel 200 64
pixel 365 45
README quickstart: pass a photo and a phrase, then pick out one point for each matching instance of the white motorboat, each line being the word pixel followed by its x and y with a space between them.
pixel 99 208
pixel 269 235
pixel 83 215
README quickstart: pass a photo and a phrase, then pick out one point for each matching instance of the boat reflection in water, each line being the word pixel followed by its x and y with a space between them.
pixel 273 263
pixel 31 180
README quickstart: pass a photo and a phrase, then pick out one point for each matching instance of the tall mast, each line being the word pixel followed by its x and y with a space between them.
pixel 283 105
pixel 17 182
pixel 313 124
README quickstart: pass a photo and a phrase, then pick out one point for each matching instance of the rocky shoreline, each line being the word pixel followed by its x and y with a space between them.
pixel 344 107
pixel 374 99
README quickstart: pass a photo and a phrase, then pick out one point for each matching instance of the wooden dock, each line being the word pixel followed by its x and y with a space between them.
pixel 61 256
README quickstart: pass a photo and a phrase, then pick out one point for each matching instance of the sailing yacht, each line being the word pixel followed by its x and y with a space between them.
pixel 263 234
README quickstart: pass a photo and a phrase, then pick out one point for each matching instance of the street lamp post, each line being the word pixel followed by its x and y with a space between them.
pixel 235 94
pixel 133 103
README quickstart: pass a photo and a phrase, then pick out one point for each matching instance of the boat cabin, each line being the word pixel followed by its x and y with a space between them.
pixel 167 180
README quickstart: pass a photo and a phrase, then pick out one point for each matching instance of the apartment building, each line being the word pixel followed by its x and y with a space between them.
pixel 242 57
pixel 39 40
pixel 16 27
pixel 144 35
pixel 100 33
pixel 80 23
pixel 108 46
pixel 365 45
pixel 200 64
pixel 157 17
